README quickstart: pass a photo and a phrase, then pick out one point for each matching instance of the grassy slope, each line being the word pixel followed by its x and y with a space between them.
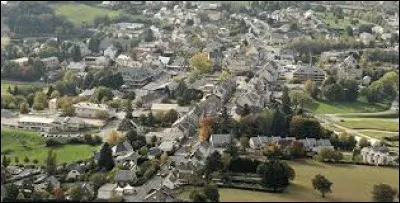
pixel 30 144
pixel 371 123
pixel 79 13
pixel 323 107
pixel 391 114
pixel 350 183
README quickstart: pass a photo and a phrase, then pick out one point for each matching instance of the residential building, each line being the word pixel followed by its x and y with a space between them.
pixel 307 72
pixel 125 177
pixel 349 69
pixel 21 61
pixel 51 62
pixel 99 62
pixel 161 194
pixel 90 110
pixel 221 140
pixel 79 66
pixel 121 149
pixel 377 155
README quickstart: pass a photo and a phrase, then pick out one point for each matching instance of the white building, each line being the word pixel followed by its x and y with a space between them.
pixel 377 155
pixel 51 62
pixel 21 61
pixel 90 110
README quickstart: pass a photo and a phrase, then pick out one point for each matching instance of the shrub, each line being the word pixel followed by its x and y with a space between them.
pixel 53 143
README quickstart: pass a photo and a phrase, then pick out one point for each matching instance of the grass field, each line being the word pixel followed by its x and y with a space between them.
pixel 329 19
pixel 324 107
pixel 386 114
pixel 22 143
pixel 371 123
pixel 350 183
pixel 79 13
pixel 378 135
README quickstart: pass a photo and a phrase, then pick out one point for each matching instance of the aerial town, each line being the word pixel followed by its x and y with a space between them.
pixel 200 101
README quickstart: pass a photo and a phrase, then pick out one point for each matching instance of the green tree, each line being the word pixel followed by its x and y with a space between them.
pixel 26 159
pixel 298 97
pixel 148 35
pixel 5 161
pixel 98 179
pixel 171 116
pixel 16 159
pixel 321 184
pixel 24 108
pixel 244 142
pixel 12 193
pixel 51 162
pixel 286 104
pixel 76 53
pixel 40 101
pixel 274 174
pixel 224 75
pixel 363 142
pixel 201 62
pixel 76 193
pixel 333 92
pixel 68 109
pixel 350 90
pixel 213 163
pixel 196 196
pixel 211 193
pixel 106 160
pixel 383 193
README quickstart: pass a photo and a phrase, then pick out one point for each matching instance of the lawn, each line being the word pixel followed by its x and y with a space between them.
pixel 324 107
pixel 329 19
pixel 80 13
pixel 350 183
pixel 4 87
pixel 388 114
pixel 371 123
pixel 23 143
pixel 378 135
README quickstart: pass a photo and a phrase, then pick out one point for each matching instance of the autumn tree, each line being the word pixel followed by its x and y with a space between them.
pixel 201 62
pixel 205 129
pixel 383 193
pixel 59 194
pixel 113 137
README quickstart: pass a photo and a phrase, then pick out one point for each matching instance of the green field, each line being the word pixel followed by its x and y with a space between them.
pixel 329 20
pixel 23 143
pixel 378 135
pixel 324 107
pixel 350 183
pixel 80 13
pixel 371 123
pixel 388 114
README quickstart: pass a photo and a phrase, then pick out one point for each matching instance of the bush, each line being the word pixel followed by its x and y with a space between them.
pixel 53 143
pixel 243 165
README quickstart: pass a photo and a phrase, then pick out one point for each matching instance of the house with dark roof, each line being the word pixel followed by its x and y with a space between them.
pixel 308 72
pixel 121 149
pixel 124 177
pixel 161 194
pixel 221 140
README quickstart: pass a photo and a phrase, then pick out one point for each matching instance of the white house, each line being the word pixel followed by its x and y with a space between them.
pixel 220 140
pixel 90 110
pixel 21 61
pixel 377 155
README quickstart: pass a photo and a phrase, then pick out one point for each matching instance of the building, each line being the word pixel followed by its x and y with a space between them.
pixel 36 123
pixel 125 177
pixel 377 155
pixel 221 140
pixel 21 61
pixel 68 124
pixel 349 69
pixel 308 72
pixel 121 149
pixel 99 62
pixel 106 191
pixel 161 194
pixel 51 62
pixel 90 110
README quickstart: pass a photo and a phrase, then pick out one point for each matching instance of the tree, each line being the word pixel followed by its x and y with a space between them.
pixel 286 101
pixel 333 92
pixel 363 142
pixel 12 193
pixel 383 193
pixel 35 161
pixel 171 116
pixel 321 184
pixel 98 180
pixel 50 91
pixel 244 142
pixel 272 151
pixel 305 127
pixel 68 109
pixel 100 114
pixel 76 193
pixel 51 162
pixel 148 35
pixel 224 75
pixel 106 160
pixel 213 163
pixel 327 154
pixel 197 196
pixel 211 193
pixel 205 129
pixel 76 53
pixel 308 86
pixel 232 150
pixel 201 62
pixel 297 149
pixel 5 161
pixel 16 160
pixel 350 90
pixel 274 174
pixel 94 44
pixel 40 101
pixel 150 119
pixel 300 98
pixel 59 194
pixel 113 137
pixel 26 159
pixel 24 108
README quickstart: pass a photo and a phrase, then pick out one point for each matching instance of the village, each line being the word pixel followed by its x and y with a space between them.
pixel 173 98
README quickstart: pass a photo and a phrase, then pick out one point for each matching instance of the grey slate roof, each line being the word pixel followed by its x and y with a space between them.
pixel 125 176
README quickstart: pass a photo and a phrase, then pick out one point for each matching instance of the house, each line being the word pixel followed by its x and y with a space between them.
pixel 154 152
pixel 349 69
pixel 79 66
pixel 43 182
pixel 106 191
pixel 377 155
pixel 51 62
pixel 220 140
pixel 21 61
pixel 167 146
pixel 161 194
pixel 377 30
pixel 366 38
pixel 124 177
pixel 129 160
pixel 111 52
pixel 182 175
pixel 90 110
pixel 250 98
pixel 121 149
pixel 135 77
pixel 75 171
pixel 258 142
pixel 36 123
pixel 99 62
pixel 308 72
pixel 127 61
pixel 238 66
pixel 68 124
pixel 179 64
